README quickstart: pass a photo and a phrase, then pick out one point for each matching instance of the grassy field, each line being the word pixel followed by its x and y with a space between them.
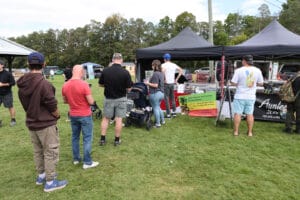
pixel 188 158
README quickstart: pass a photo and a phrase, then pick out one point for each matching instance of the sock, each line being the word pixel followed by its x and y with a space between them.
pixel 117 138
pixel 13 119
pixel 102 137
pixel 43 175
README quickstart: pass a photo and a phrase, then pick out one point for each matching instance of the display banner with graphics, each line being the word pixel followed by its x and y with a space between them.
pixel 202 104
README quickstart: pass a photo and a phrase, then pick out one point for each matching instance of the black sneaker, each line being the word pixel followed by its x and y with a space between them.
pixel 174 114
pixel 13 122
pixel 102 142
pixel 117 143
pixel 168 116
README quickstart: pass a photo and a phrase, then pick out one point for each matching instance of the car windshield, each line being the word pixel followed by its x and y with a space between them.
pixel 290 68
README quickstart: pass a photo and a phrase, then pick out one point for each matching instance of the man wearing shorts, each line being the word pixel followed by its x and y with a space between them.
pixel 116 82
pixel 246 79
pixel 6 97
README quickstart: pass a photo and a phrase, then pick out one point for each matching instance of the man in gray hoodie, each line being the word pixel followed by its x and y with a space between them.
pixel 37 97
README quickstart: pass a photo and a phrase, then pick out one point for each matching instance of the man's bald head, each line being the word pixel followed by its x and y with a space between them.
pixel 78 72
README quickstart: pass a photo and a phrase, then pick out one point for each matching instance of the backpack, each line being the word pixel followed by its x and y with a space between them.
pixel 286 92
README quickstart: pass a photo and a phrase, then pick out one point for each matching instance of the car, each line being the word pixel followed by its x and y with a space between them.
pixel 202 70
pixel 288 70
pixel 59 72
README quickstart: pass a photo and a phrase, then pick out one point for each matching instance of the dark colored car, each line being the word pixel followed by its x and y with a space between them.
pixel 288 70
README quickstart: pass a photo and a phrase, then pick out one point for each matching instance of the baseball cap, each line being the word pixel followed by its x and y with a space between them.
pixel 167 56
pixel 248 59
pixel 2 62
pixel 117 56
pixel 36 58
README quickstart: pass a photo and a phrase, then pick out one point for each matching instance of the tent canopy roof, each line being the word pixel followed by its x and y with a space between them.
pixel 273 42
pixel 273 34
pixel 185 39
pixel 10 48
pixel 178 47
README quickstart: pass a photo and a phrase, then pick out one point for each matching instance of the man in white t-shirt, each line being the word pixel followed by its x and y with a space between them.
pixel 169 69
pixel 246 79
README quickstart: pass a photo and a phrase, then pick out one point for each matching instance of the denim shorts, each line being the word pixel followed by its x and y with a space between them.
pixel 7 100
pixel 115 107
pixel 245 106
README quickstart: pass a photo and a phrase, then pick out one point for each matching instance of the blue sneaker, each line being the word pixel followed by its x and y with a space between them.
pixel 55 185
pixel 40 181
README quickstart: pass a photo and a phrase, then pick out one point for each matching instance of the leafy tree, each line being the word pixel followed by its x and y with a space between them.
pixel 290 15
pixel 238 39
pixel 265 15
pixel 220 35
pixel 233 24
pixel 184 20
pixel 164 30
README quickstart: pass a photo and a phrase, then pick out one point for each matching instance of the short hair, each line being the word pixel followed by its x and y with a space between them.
pixel 117 56
pixel 2 62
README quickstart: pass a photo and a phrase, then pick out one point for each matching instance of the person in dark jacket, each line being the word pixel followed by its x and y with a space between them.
pixel 6 97
pixel 294 108
pixel 37 97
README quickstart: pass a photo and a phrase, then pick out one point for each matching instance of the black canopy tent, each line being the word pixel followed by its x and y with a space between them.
pixel 187 45
pixel 9 50
pixel 273 42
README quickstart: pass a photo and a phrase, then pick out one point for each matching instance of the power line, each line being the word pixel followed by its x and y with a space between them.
pixel 272 4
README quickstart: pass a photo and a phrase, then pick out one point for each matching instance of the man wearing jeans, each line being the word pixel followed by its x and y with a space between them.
pixel 169 69
pixel 77 93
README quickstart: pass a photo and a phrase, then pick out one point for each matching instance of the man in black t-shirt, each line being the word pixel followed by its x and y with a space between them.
pixel 116 82
pixel 6 96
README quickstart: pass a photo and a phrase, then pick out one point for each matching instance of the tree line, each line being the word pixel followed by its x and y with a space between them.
pixel 96 41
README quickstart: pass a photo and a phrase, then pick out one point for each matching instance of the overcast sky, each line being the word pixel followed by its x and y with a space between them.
pixel 21 17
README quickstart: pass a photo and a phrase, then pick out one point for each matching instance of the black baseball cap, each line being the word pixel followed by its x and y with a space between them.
pixel 248 59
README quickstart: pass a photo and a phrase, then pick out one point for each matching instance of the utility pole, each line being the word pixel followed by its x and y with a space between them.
pixel 211 36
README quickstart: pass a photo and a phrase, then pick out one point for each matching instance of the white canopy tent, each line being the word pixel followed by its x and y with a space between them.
pixel 9 50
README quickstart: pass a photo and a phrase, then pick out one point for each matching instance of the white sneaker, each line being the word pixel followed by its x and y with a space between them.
pixel 94 164
pixel 75 162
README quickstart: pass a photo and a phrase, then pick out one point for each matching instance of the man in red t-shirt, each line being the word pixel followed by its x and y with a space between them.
pixel 77 93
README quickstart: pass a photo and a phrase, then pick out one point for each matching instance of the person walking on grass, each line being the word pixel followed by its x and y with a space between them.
pixel 77 93
pixel 37 97
pixel 116 82
pixel 169 69
pixel 245 78
pixel 6 96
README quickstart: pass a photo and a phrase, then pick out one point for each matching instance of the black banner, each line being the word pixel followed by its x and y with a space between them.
pixel 268 107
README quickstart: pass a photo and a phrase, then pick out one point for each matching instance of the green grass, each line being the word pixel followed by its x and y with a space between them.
pixel 188 158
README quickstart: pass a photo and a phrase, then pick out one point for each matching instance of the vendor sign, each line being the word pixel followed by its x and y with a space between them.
pixel 203 104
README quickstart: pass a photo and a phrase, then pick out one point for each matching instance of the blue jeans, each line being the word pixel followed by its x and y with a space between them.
pixel 155 100
pixel 86 125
